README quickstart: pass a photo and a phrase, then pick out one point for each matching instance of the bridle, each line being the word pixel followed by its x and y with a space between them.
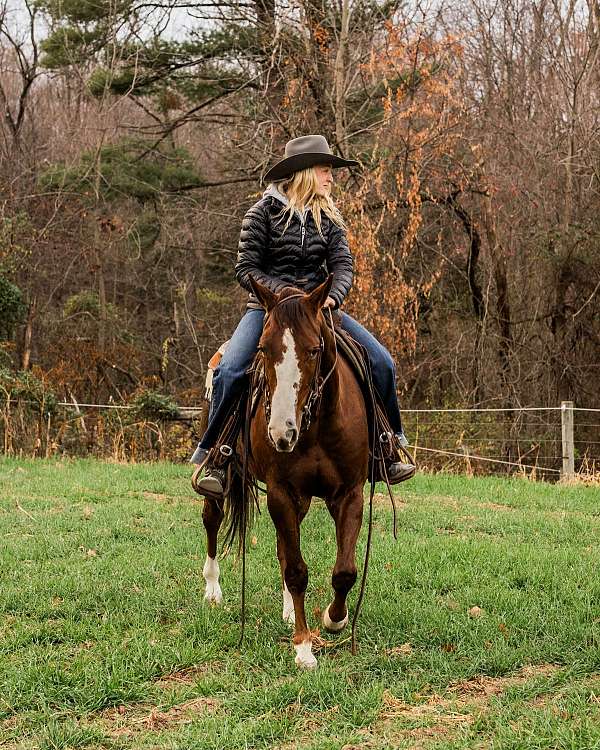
pixel 311 408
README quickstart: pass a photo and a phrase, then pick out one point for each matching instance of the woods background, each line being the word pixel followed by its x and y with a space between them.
pixel 134 136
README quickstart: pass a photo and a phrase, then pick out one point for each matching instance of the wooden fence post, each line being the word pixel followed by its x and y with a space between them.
pixel 568 446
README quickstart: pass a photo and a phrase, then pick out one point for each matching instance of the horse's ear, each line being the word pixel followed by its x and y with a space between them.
pixel 318 296
pixel 265 296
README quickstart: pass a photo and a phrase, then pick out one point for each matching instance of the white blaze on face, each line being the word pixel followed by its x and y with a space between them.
pixel 285 396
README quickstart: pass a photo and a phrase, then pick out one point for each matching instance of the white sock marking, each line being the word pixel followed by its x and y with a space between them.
pixel 289 614
pixel 213 593
pixel 285 396
pixel 335 627
pixel 305 658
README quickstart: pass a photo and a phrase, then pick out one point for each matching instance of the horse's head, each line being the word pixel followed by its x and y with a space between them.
pixel 292 346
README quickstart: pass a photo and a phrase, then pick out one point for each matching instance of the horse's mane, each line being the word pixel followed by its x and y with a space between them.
pixel 288 290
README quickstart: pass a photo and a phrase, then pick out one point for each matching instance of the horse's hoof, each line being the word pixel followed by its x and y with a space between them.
pixel 305 659
pixel 330 625
pixel 213 595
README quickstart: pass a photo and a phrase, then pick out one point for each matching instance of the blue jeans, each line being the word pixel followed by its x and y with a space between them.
pixel 229 377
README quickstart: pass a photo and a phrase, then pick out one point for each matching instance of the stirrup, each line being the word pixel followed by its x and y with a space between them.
pixel 198 469
pixel 408 455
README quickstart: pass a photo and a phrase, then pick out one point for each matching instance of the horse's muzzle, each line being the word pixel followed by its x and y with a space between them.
pixel 287 442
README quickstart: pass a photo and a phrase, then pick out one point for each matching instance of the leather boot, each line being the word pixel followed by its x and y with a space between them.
pixel 212 483
pixel 400 472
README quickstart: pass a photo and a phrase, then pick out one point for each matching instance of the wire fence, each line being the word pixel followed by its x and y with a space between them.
pixel 528 440
pixel 506 440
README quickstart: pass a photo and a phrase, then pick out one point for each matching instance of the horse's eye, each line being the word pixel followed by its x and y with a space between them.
pixel 313 352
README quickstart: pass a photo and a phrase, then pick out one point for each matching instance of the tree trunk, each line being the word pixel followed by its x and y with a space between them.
pixel 26 354
pixel 505 345
pixel 339 82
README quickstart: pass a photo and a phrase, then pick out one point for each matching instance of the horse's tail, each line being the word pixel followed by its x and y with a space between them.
pixel 240 500
pixel 241 496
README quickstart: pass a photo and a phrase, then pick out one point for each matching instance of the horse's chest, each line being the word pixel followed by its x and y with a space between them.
pixel 312 473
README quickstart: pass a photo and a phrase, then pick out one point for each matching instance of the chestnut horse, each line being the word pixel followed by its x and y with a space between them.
pixel 303 446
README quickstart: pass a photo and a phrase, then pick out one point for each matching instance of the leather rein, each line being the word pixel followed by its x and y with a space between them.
pixel 318 382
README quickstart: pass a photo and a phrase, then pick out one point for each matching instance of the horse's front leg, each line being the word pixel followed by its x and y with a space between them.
pixel 288 602
pixel 286 517
pixel 347 514
pixel 212 515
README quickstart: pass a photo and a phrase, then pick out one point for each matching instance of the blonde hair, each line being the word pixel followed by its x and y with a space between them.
pixel 300 189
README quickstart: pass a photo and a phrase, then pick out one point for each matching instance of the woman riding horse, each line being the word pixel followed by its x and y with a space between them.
pixel 299 251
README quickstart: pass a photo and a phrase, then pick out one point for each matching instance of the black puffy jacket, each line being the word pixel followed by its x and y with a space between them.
pixel 298 257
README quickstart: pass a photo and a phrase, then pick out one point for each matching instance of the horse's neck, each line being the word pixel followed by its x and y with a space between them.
pixel 329 370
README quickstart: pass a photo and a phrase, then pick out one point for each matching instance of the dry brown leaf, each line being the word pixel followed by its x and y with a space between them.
pixel 404 650
pixel 88 552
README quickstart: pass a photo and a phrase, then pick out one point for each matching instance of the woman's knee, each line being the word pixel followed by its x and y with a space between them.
pixel 228 373
pixel 384 360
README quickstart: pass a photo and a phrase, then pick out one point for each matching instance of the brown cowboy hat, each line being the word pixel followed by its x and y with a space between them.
pixel 304 152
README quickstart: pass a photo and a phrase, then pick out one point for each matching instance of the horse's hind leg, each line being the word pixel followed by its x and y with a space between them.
pixel 295 573
pixel 212 515
pixel 347 514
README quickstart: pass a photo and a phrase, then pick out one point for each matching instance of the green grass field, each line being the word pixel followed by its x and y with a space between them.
pixel 105 641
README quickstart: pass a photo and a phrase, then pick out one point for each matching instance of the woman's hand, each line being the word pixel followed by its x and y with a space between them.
pixel 329 302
